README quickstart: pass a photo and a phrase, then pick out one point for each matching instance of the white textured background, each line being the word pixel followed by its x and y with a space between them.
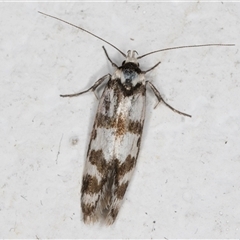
pixel 187 180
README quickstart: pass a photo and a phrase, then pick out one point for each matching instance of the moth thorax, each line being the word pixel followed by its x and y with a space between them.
pixel 130 75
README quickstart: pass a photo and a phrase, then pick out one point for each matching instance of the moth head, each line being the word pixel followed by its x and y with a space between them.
pixel 130 70
pixel 131 57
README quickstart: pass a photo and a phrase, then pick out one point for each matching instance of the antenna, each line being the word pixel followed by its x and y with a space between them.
pixel 84 31
pixel 160 50
pixel 190 46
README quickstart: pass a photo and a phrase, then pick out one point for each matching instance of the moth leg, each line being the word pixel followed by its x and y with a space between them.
pixel 92 88
pixel 150 69
pixel 113 64
pixel 160 99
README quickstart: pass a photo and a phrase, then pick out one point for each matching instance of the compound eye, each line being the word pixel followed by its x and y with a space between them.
pixel 123 63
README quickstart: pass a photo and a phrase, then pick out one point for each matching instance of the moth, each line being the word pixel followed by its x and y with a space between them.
pixel 116 136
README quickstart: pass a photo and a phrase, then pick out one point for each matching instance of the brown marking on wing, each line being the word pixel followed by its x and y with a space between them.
pixel 135 127
pixel 87 210
pixel 139 142
pixel 120 125
pixel 113 214
pixel 126 166
pixel 97 158
pixel 113 211
pixel 90 185
pixel 94 133
pixel 121 190
pixel 104 121
pixel 106 103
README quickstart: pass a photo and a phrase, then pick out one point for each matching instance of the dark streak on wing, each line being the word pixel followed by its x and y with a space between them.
pixel 97 158
pixel 120 191
pixel 88 210
pixel 126 166
pixel 91 185
pixel 121 124
pixel 135 127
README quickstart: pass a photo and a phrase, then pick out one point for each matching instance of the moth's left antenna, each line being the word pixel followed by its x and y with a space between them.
pixel 84 31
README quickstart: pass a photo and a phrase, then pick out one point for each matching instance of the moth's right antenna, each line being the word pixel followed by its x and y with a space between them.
pixel 84 31
pixel 190 46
